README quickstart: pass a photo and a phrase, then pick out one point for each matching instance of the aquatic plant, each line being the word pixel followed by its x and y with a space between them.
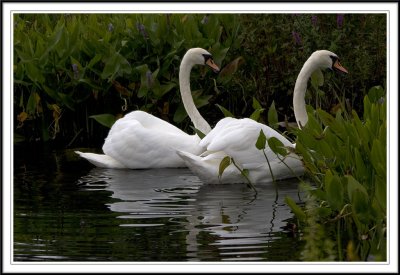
pixel 345 158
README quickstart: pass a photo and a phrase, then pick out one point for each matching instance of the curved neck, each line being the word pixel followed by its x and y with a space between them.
pixel 300 88
pixel 184 84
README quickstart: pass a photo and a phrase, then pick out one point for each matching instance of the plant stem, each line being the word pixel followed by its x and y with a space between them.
pixel 246 177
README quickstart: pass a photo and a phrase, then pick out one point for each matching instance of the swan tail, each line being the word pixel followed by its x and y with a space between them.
pixel 100 160
pixel 205 169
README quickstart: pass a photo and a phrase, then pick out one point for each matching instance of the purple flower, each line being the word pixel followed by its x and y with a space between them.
pixel 339 20
pixel 314 20
pixel 75 70
pixel 141 28
pixel 110 27
pixel 296 37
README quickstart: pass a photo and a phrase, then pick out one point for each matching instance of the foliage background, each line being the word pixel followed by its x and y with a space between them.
pixel 69 67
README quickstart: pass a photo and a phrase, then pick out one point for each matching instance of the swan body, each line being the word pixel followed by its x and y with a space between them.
pixel 237 138
pixel 140 140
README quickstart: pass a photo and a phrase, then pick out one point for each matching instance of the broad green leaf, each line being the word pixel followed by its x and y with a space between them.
pixel 94 60
pixel 225 75
pixel 334 190
pixel 256 114
pixel 326 118
pixel 353 185
pixel 224 111
pixel 295 208
pixel 277 146
pixel 317 79
pixel 375 93
pixel 116 65
pixel 272 116
pixel 261 140
pixel 360 205
pixel 33 102
pixel 34 73
pixel 165 88
pixel 106 120
pixel 180 114
pixel 225 162
pixel 378 157
pixel 361 169
pixel 198 132
pixel 256 105
pixel 66 100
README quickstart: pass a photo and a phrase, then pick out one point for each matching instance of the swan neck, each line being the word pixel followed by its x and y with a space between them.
pixel 184 83
pixel 300 88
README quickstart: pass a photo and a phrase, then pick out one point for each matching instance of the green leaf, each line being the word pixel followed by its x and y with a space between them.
pixel 198 132
pixel 353 185
pixel 378 157
pixel 227 72
pixel 317 79
pixel 106 120
pixel 277 146
pixel 94 60
pixel 33 102
pixel 261 140
pixel 272 116
pixel 334 191
pixel 34 73
pixel 116 65
pixel 375 93
pixel 225 162
pixel 256 105
pixel 225 111
pixel 360 205
pixel 256 114
pixel 295 209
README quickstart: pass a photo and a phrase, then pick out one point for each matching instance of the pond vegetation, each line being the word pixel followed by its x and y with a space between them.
pixel 75 74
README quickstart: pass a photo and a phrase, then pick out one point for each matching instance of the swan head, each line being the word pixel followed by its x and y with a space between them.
pixel 199 56
pixel 325 59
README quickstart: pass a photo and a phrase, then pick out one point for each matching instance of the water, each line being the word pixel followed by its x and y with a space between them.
pixel 67 210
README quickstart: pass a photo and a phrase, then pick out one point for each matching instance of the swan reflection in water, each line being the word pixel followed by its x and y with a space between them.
pixel 227 216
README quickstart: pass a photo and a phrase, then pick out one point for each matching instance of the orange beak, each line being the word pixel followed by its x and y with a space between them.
pixel 339 67
pixel 212 65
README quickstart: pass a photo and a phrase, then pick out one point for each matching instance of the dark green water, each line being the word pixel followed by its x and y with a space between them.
pixel 67 210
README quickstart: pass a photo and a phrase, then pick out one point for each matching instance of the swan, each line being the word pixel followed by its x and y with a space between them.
pixel 141 141
pixel 237 138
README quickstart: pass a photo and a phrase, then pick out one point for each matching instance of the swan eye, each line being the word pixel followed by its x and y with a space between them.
pixel 334 58
pixel 207 57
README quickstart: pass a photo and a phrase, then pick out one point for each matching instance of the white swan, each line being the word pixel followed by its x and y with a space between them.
pixel 140 140
pixel 237 138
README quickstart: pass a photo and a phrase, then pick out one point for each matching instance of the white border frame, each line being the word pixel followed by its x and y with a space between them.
pixel 209 267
